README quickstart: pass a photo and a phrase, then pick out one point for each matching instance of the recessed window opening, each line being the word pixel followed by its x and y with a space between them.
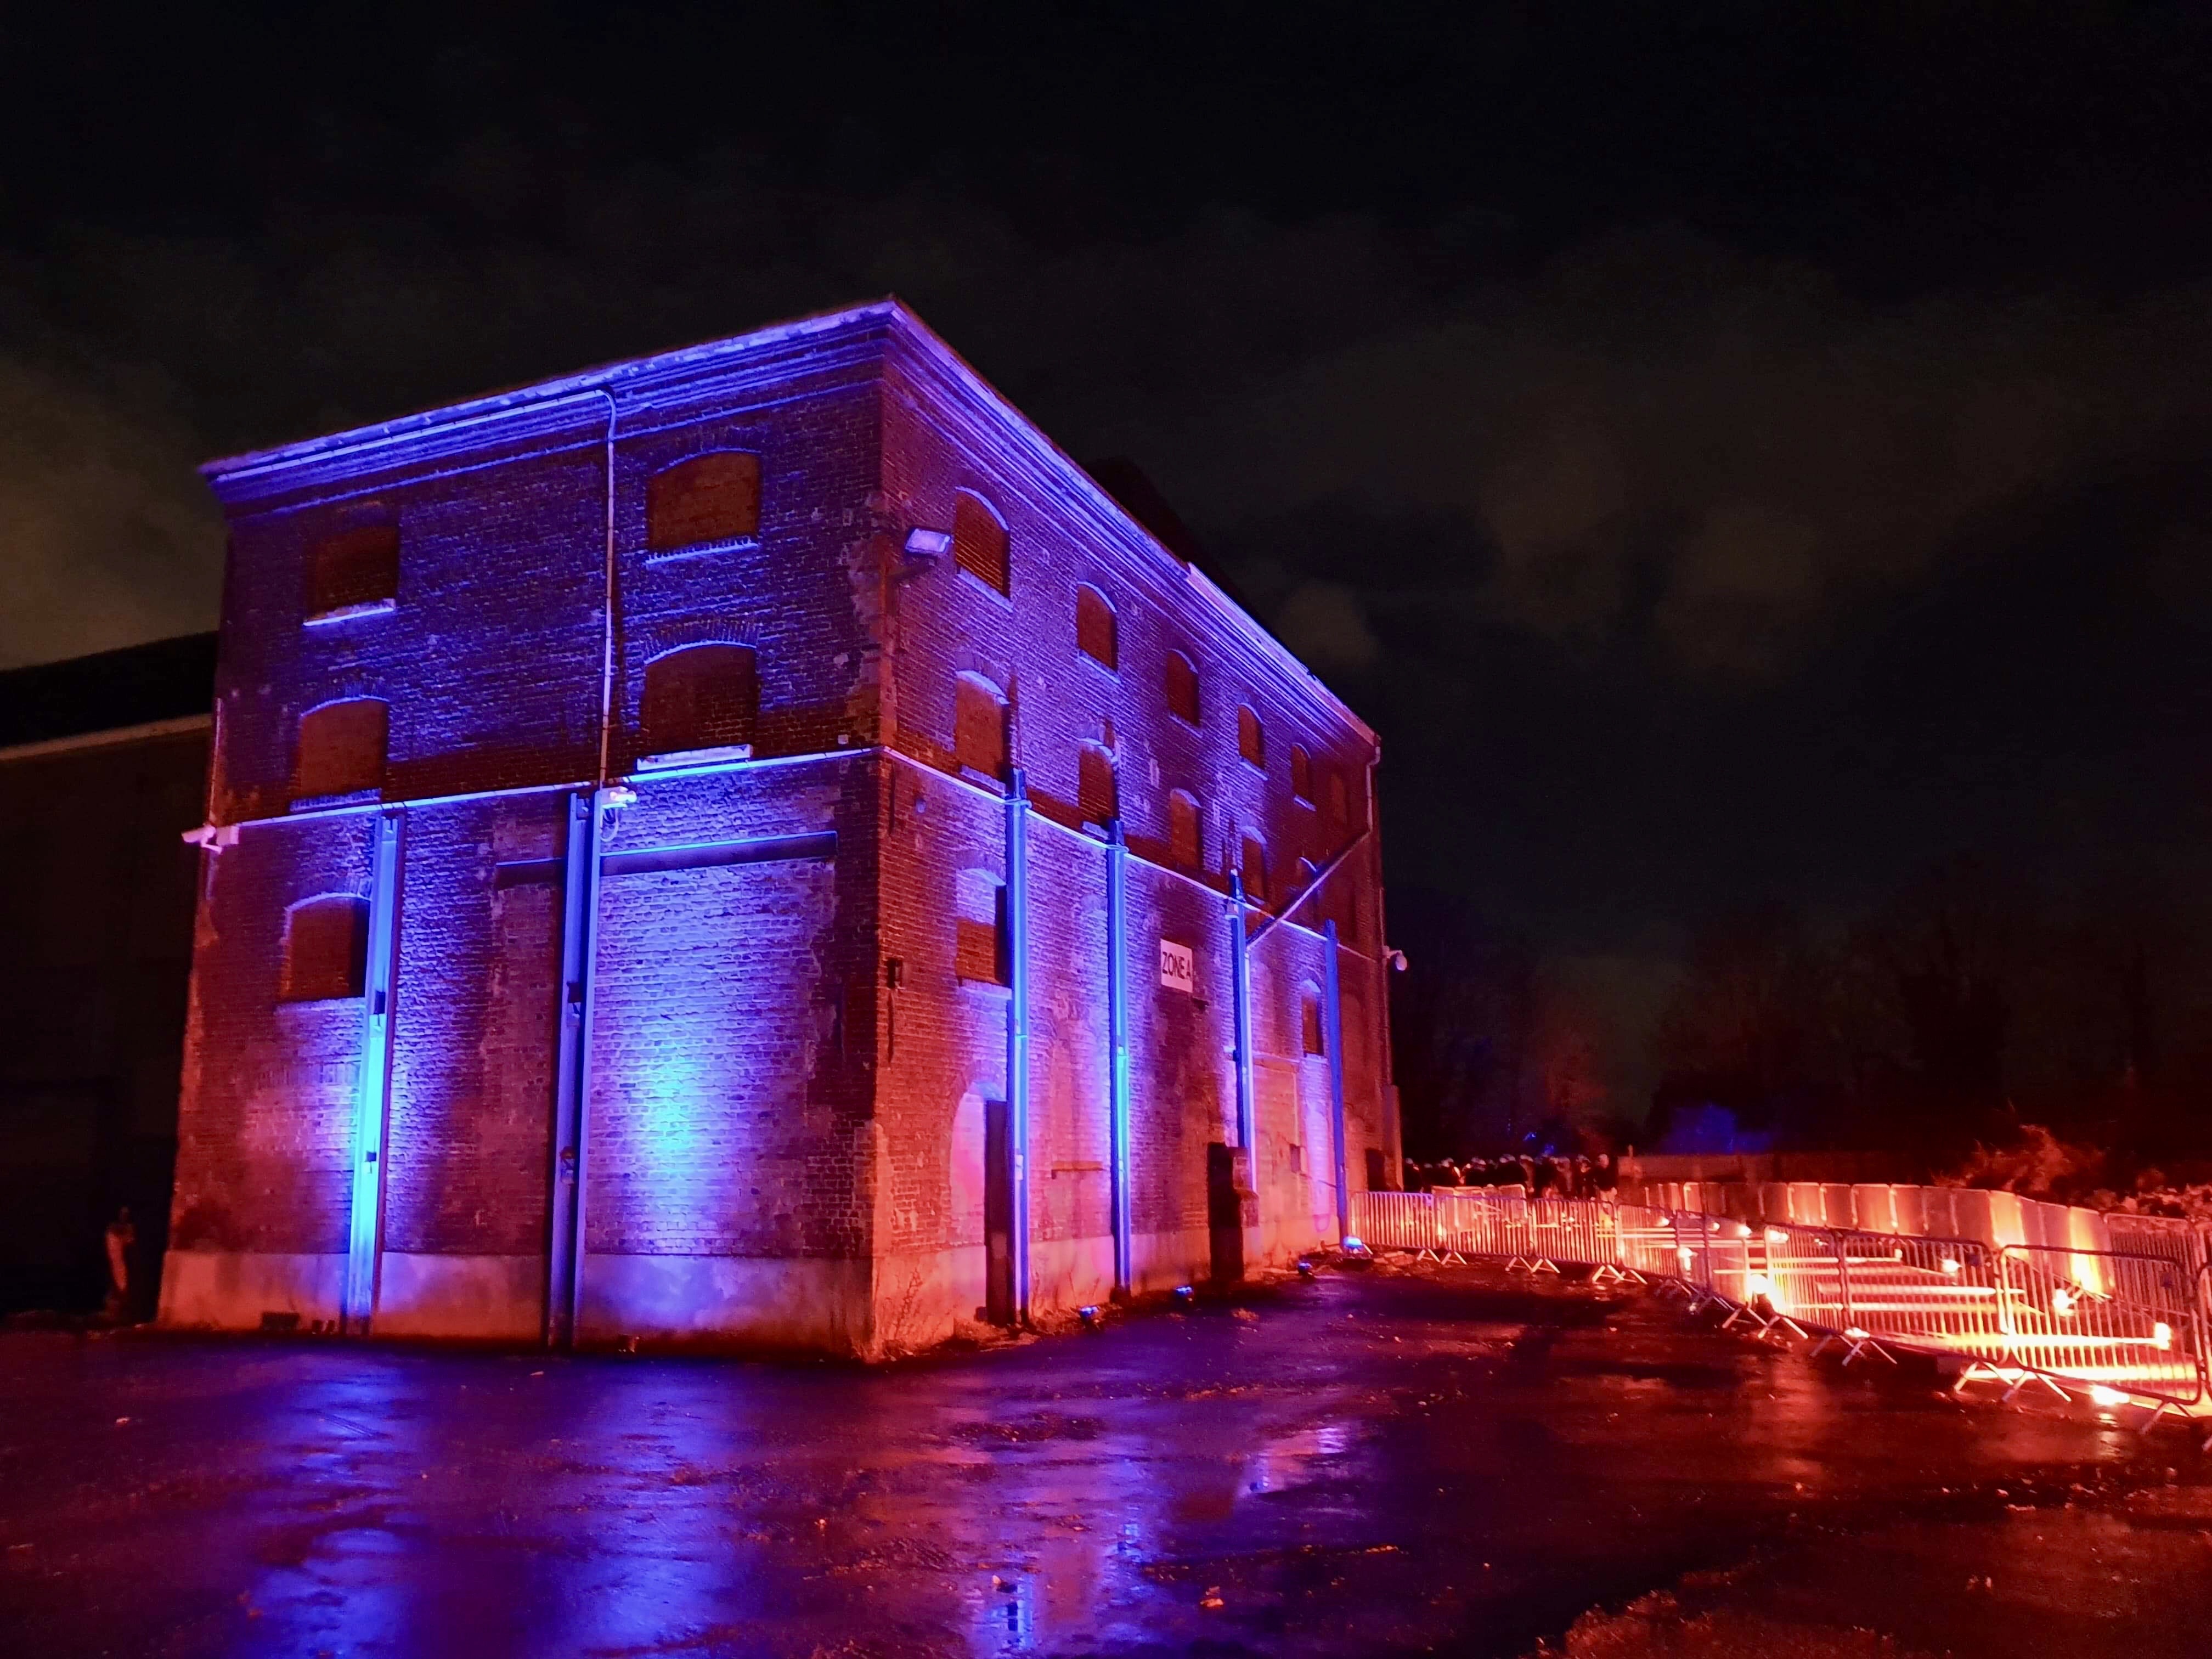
pixel 354 573
pixel 1340 799
pixel 1098 790
pixel 703 698
pixel 708 498
pixel 979 543
pixel 326 948
pixel 980 954
pixel 1301 773
pixel 1251 740
pixel 340 748
pixel 1093 627
pixel 1181 685
pixel 1311 1040
pixel 1253 867
pixel 979 727
pixel 1183 828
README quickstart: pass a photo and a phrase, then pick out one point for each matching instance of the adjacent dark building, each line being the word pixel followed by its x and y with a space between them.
pixel 103 765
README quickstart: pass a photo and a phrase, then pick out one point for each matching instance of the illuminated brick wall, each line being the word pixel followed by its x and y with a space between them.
pixel 784 1148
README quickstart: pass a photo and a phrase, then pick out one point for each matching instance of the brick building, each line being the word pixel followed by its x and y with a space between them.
pixel 743 848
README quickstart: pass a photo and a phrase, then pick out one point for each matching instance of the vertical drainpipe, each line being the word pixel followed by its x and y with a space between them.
pixel 579 909
pixel 1017 1033
pixel 1331 1037
pixel 1239 981
pixel 373 1089
pixel 579 944
pixel 1117 1031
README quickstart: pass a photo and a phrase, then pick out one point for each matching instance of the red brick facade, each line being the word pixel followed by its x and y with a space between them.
pixel 791 1064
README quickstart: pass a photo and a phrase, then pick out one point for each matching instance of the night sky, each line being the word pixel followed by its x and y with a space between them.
pixel 1730 452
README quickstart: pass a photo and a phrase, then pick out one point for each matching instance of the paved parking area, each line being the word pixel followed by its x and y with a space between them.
pixel 1378 1463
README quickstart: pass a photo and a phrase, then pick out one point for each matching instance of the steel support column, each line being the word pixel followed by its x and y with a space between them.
pixel 1017 1034
pixel 1331 1037
pixel 1117 1031
pixel 1240 984
pixel 373 1087
pixel 579 916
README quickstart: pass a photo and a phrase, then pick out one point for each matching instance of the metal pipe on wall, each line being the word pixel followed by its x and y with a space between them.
pixel 1017 1034
pixel 373 1086
pixel 1117 1031
pixel 1331 1037
pixel 1240 985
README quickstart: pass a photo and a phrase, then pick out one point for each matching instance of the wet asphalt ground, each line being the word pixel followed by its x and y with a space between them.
pixel 1379 1463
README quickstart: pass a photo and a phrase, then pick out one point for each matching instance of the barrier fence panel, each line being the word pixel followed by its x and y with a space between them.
pixel 2130 1323
pixel 2133 1321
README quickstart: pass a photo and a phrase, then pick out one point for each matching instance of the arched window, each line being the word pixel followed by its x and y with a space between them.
pixel 708 498
pixel 1183 686
pixel 1183 828
pixel 1093 627
pixel 979 727
pixel 702 697
pixel 1252 866
pixel 326 948
pixel 979 542
pixel 1251 741
pixel 1301 773
pixel 355 571
pixel 340 748
pixel 1311 1039
pixel 1097 793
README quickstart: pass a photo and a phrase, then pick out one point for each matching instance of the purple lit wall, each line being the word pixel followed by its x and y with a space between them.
pixel 790 1063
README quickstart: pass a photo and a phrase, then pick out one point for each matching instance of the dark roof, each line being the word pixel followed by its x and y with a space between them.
pixel 135 686
pixel 1140 498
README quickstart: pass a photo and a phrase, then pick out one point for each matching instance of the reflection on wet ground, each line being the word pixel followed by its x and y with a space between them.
pixel 1457 1462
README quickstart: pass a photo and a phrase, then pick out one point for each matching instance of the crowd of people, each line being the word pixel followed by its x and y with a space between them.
pixel 1548 1177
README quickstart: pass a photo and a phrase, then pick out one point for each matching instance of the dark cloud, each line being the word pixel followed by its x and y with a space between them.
pixel 1722 462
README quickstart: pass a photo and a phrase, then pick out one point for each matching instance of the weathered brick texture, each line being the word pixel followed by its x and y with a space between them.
pixel 791 1060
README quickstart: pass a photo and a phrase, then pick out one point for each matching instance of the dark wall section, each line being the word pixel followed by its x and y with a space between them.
pixel 103 767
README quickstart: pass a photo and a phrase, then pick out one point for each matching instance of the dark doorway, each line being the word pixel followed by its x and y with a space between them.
pixel 1378 1174
pixel 998 1215
pixel 1224 1211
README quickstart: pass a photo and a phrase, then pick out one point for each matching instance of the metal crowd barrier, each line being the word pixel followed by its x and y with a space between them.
pixel 2118 1324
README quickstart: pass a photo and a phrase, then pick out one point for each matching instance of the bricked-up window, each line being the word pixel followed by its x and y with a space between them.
pixel 1301 773
pixel 1310 1040
pixel 326 948
pixel 980 947
pixel 1251 741
pixel 979 727
pixel 708 498
pixel 1097 793
pixel 1182 687
pixel 340 748
pixel 1094 628
pixel 1182 829
pixel 355 571
pixel 1252 866
pixel 705 696
pixel 1340 799
pixel 979 542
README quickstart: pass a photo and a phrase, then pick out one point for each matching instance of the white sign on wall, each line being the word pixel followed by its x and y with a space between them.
pixel 1178 966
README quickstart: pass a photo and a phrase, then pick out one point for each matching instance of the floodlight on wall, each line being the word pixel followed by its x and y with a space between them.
pixel 927 544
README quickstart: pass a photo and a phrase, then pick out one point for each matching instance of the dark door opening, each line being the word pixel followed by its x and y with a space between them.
pixel 998 1215
pixel 1224 1212
pixel 1378 1174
